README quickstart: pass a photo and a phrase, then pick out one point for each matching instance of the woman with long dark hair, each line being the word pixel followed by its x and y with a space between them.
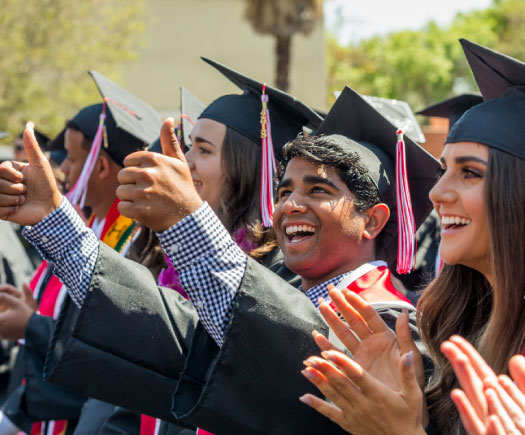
pixel 480 197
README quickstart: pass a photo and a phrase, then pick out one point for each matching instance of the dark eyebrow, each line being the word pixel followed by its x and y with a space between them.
pixel 314 179
pixel 465 159
pixel 287 182
pixel 201 139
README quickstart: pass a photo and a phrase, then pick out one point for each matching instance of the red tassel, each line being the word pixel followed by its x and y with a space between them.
pixel 77 194
pixel 268 166
pixel 406 227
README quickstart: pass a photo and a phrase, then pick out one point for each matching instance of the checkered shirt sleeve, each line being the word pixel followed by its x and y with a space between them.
pixel 321 290
pixel 63 238
pixel 210 264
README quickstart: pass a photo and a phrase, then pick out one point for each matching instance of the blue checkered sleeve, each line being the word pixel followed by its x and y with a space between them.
pixel 63 238
pixel 211 266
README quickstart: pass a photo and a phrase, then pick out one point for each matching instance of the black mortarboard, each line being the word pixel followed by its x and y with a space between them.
pixel 497 123
pixel 190 110
pixel 130 123
pixel 452 108
pixel 399 114
pixel 266 116
pixel 373 137
pixel 40 137
pixel 242 113
pixel 494 72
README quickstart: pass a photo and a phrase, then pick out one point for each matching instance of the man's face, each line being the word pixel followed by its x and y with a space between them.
pixel 76 156
pixel 316 223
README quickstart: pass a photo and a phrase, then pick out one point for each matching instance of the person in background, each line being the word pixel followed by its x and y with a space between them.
pixel 34 405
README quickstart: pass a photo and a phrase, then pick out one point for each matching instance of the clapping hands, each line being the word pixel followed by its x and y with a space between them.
pixel 380 389
pixel 487 404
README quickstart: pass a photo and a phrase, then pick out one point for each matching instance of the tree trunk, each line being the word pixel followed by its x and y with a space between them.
pixel 282 54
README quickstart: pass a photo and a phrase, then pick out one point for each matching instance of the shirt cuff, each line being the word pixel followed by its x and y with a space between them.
pixel 54 233
pixel 196 236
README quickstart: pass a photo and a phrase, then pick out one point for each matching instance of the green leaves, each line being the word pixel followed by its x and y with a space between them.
pixel 426 65
pixel 47 46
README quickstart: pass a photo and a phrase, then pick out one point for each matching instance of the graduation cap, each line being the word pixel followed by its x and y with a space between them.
pixel 452 108
pixel 242 112
pixel 494 72
pixel 498 122
pixel 190 110
pixel 373 137
pixel 264 115
pixel 398 113
pixel 122 124
pixel 40 137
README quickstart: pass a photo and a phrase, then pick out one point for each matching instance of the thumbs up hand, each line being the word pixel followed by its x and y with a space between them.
pixel 157 190
pixel 28 191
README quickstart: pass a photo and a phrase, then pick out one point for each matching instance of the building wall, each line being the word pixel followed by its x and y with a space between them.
pixel 179 31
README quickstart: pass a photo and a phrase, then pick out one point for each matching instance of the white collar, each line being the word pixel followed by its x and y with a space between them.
pixel 358 273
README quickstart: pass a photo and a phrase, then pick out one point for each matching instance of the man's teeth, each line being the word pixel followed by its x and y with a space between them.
pixel 454 220
pixel 294 229
pixel 197 183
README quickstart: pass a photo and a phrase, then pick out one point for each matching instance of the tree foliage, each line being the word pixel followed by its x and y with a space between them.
pixel 426 65
pixel 47 46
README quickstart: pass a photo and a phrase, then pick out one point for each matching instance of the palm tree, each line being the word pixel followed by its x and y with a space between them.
pixel 282 19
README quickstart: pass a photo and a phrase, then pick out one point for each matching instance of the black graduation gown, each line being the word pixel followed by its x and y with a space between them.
pixel 142 347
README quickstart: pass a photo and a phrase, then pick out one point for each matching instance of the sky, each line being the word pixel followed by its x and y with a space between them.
pixel 351 20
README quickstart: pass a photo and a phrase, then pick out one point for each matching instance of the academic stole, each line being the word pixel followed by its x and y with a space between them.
pixel 117 232
pixel 370 275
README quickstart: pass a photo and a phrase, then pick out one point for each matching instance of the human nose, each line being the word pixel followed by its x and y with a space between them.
pixel 442 192
pixel 189 158
pixel 293 204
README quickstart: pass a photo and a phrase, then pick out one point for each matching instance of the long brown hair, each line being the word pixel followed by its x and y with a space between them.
pixel 461 300
pixel 240 204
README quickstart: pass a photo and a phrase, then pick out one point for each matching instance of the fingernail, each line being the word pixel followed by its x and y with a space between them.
pixel 310 363
pixel 320 300
pixel 405 311
pixel 30 125
pixel 327 355
pixel 408 359
pixel 308 374
pixel 306 399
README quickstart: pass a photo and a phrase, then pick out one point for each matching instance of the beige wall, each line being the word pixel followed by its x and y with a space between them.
pixel 179 31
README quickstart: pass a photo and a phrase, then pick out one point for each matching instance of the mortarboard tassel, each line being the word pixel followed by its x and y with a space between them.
pixel 406 227
pixel 77 194
pixel 268 166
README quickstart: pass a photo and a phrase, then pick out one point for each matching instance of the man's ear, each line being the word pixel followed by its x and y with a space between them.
pixel 104 166
pixel 378 216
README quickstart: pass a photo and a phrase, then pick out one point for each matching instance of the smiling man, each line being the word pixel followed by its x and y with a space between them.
pixel 240 374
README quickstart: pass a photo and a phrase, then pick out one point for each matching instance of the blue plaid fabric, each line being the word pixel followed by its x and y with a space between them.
pixel 63 239
pixel 321 290
pixel 210 264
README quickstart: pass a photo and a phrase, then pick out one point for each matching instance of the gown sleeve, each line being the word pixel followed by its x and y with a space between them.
pixel 128 343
